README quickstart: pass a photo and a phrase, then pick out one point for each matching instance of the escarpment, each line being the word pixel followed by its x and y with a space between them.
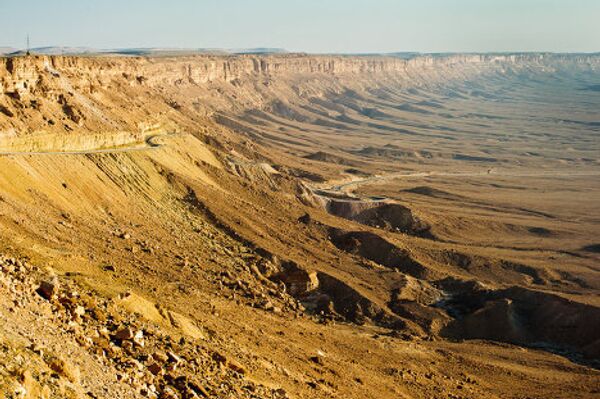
pixel 62 94
pixel 45 75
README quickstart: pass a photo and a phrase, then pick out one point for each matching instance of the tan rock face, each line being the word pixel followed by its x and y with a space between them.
pixel 58 94
pixel 21 76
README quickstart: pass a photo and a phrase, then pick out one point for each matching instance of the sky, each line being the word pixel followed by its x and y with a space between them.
pixel 314 26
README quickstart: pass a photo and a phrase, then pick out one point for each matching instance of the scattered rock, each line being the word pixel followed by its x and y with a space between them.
pixel 169 393
pixel 155 368
pixel 198 389
pixel 305 219
pixel 316 359
pixel 230 363
pixel 109 268
pixel 138 338
pixel 65 369
pixel 237 367
pixel 128 334
pixel 173 358
pixel 48 288
pixel 160 357
pixel 79 311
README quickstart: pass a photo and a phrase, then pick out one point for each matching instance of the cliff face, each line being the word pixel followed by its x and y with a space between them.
pixel 22 73
pixel 115 93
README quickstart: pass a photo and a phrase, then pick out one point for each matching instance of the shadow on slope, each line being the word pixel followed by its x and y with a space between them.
pixel 522 316
pixel 380 214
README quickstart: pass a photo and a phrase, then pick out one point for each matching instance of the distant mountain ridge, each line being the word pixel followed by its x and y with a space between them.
pixel 138 51
pixel 7 50
pixel 177 51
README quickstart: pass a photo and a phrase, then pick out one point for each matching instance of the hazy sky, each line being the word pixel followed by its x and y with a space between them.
pixel 307 25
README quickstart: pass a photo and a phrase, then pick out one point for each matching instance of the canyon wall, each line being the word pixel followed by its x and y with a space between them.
pixel 20 74
pixel 91 94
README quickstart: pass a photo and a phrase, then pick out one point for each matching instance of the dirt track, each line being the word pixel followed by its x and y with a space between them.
pixel 148 144
pixel 354 184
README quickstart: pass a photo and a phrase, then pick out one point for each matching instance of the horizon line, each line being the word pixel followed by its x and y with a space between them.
pixel 73 50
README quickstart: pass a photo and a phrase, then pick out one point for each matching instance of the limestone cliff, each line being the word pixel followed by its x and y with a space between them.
pixel 100 93
pixel 21 73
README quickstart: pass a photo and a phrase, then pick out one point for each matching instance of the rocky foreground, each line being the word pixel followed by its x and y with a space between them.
pixel 53 330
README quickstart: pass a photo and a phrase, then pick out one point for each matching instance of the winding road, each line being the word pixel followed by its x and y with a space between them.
pixel 354 184
pixel 149 143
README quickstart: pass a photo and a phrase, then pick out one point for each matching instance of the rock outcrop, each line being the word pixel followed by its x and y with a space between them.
pixel 64 94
